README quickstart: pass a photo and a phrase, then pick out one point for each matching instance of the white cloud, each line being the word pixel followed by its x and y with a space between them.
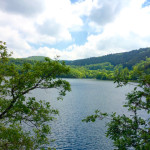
pixel 113 26
pixel 61 12
pixel 22 7
pixel 106 11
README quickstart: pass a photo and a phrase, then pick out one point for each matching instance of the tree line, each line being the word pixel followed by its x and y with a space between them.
pixel 127 59
pixel 101 71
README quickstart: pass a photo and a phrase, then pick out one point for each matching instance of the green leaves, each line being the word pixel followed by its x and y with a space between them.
pixel 12 137
pixel 18 111
pixel 130 131
pixel 98 114
pixel 121 76
pixel 3 52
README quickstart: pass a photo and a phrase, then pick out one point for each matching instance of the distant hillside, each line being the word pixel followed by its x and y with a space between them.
pixel 37 58
pixel 30 60
pixel 127 59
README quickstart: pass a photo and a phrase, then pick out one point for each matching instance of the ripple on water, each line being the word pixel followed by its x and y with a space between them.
pixel 86 96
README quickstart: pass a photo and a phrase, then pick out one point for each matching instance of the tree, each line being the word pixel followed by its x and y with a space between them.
pixel 18 110
pixel 130 131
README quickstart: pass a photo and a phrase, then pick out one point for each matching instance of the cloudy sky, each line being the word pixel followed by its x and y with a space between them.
pixel 74 29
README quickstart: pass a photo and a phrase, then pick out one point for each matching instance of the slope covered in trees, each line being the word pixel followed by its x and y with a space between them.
pixel 103 70
pixel 127 59
pixel 37 58
pixel 31 60
pixel 106 71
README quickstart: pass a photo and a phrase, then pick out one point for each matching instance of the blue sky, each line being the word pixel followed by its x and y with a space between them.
pixel 146 3
pixel 74 1
pixel 74 29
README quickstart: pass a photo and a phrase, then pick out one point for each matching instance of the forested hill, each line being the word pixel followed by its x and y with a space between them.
pixel 37 58
pixel 127 59
pixel 99 67
pixel 31 60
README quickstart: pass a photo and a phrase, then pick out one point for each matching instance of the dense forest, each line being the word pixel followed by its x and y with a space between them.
pixel 127 59
pixel 106 71
pixel 100 67
pixel 38 58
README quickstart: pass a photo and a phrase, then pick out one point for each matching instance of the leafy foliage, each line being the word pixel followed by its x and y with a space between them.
pixel 18 110
pixel 130 131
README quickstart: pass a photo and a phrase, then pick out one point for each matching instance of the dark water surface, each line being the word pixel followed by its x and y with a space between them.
pixel 86 96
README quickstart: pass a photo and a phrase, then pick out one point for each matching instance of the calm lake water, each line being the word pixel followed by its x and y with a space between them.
pixel 86 96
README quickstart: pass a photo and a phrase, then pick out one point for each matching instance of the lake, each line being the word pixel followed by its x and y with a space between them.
pixel 86 96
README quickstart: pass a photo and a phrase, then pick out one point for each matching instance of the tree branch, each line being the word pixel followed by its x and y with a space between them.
pixel 15 98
